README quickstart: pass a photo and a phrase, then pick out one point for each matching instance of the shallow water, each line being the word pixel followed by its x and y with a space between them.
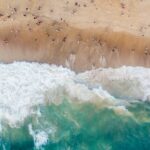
pixel 50 107
pixel 87 126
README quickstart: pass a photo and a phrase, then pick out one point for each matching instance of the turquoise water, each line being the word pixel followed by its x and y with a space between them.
pixel 48 107
pixel 81 126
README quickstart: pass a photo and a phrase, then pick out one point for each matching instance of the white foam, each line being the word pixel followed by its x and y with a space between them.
pixel 40 137
pixel 25 85
pixel 129 83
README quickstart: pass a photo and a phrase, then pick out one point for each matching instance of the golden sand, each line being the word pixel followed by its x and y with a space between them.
pixel 80 34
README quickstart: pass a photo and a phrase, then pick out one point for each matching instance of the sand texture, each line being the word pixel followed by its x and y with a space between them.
pixel 79 34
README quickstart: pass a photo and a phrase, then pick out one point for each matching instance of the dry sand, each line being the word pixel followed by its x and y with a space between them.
pixel 80 34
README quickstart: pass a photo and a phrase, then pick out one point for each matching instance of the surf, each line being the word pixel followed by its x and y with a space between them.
pixel 46 106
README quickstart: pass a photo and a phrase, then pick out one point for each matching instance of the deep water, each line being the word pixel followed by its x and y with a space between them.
pixel 80 126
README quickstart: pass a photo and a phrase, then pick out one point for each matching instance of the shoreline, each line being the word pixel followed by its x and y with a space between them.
pixel 39 33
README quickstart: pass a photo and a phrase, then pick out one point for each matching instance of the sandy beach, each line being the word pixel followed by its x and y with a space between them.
pixel 80 35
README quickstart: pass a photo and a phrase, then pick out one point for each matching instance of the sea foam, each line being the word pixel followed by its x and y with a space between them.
pixel 24 86
pixel 128 83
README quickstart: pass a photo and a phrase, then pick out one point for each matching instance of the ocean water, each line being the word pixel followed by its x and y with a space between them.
pixel 48 107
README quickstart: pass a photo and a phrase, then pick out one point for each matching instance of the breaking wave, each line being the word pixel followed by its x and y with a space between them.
pixel 47 106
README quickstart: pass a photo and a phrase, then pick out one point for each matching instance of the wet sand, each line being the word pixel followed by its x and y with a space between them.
pixel 80 35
